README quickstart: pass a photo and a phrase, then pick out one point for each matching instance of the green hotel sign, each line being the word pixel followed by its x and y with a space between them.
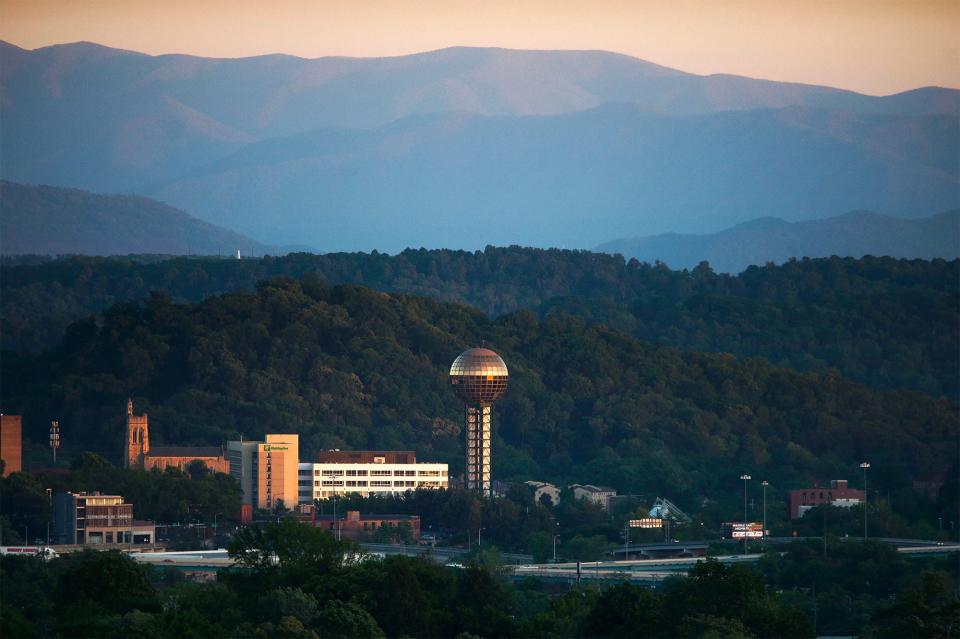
pixel 270 447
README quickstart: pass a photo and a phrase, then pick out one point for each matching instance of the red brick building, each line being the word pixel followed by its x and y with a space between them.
pixel 367 457
pixel 11 436
pixel 837 494
pixel 359 527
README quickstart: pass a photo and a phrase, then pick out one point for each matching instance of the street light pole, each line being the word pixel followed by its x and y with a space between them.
pixel 865 466
pixel 626 540
pixel 556 535
pixel 764 483
pixel 745 479
pixel 336 524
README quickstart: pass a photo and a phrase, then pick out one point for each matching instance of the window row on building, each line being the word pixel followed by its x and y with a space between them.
pixel 327 479
pixel 355 472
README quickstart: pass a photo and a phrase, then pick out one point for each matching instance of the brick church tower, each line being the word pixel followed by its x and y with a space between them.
pixel 138 438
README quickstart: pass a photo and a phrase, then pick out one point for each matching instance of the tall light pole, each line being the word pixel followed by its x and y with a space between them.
pixel 745 479
pixel 626 540
pixel 865 466
pixel 54 439
pixel 764 483
pixel 556 535
pixel 336 524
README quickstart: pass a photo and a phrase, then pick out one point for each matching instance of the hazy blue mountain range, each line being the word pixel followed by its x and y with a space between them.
pixel 771 239
pixel 45 220
pixel 465 181
pixel 464 147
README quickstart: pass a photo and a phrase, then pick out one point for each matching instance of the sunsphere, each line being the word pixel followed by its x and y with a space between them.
pixel 479 376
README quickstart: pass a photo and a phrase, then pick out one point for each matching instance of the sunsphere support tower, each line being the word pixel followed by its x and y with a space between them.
pixel 479 377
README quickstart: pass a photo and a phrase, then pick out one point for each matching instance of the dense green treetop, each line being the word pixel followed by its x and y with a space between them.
pixel 889 323
pixel 348 367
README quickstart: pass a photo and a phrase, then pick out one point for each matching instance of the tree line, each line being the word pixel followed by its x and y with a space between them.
pixel 348 367
pixel 298 582
pixel 890 323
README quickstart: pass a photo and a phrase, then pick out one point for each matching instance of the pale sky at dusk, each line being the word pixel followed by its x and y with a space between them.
pixel 876 47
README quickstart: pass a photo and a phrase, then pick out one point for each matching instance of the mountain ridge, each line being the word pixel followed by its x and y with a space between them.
pixel 468 180
pixel 45 220
pixel 95 46
pixel 548 147
pixel 770 239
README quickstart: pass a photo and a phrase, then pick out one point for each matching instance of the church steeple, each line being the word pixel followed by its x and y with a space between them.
pixel 138 438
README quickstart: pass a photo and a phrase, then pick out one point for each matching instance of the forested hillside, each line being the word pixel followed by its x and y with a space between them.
pixel 888 323
pixel 353 368
pixel 46 220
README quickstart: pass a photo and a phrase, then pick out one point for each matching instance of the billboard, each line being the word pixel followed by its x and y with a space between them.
pixel 647 522
pixel 739 530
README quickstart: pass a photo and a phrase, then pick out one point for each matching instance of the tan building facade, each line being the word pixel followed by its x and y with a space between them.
pixel 140 455
pixel 267 470
pixel 11 442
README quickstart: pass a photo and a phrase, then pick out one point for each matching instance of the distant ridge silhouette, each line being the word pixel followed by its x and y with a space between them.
pixel 769 239
pixel 464 147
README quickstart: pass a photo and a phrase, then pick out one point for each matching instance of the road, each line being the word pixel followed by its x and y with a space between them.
pixel 639 570
pixel 440 554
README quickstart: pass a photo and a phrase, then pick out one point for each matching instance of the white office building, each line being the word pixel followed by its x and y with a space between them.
pixel 370 474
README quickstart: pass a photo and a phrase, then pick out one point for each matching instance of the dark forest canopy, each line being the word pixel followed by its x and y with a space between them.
pixel 885 322
pixel 348 367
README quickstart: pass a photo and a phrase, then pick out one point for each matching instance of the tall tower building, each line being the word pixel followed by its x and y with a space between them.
pixel 267 470
pixel 138 438
pixel 479 377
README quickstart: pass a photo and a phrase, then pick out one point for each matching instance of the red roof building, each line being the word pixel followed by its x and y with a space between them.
pixel 837 494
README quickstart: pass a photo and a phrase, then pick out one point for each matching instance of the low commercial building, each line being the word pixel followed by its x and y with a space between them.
pixel 266 471
pixel 544 492
pixel 353 525
pixel 367 473
pixel 11 437
pixel 599 495
pixel 93 518
pixel 837 494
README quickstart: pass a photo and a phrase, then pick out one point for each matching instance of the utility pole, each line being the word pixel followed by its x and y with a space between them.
pixel 865 466
pixel 824 506
pixel 335 523
pixel 764 483
pixel 745 479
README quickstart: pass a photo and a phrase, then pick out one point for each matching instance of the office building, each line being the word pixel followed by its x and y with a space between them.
pixel 11 441
pixel 267 470
pixel 93 518
pixel 367 473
